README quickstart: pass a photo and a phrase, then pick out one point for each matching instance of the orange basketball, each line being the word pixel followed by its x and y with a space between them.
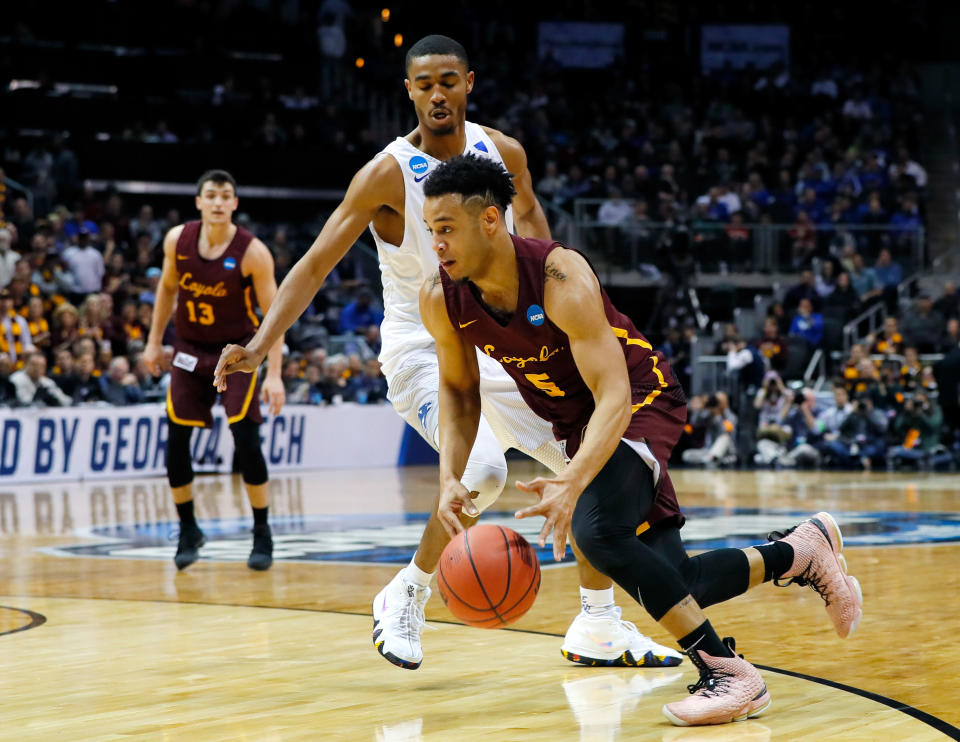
pixel 489 576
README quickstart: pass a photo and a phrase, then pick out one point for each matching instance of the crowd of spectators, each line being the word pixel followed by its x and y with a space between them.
pixel 76 301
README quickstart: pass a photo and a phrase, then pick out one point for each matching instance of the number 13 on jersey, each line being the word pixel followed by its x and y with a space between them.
pixel 200 312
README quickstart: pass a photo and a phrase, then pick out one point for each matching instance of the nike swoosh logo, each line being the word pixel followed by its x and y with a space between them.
pixel 467 324
pixel 600 642
pixel 417 180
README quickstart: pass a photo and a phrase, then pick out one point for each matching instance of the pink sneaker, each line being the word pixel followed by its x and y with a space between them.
pixel 817 562
pixel 729 689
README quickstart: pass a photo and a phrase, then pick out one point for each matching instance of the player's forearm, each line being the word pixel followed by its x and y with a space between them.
pixel 606 427
pixel 292 298
pixel 275 359
pixel 459 418
pixel 162 310
pixel 533 223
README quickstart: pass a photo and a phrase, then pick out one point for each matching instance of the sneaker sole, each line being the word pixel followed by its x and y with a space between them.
pixel 180 568
pixel 678 722
pixel 649 659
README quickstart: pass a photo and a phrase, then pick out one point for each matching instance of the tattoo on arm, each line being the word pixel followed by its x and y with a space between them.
pixel 553 272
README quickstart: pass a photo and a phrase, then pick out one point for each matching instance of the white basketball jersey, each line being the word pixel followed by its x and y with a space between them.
pixel 406 266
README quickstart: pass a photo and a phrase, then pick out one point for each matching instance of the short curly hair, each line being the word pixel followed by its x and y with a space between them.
pixel 472 177
pixel 436 44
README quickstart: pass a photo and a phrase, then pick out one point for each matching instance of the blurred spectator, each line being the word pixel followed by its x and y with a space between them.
pixel 865 281
pixel 825 282
pixel 772 346
pixel 948 305
pixel 903 165
pixel 360 313
pixel 910 370
pixel 33 385
pixel 372 385
pixel 713 413
pixel 86 264
pixel 63 373
pixel 15 340
pixel 806 289
pixel 146 225
pixel 917 427
pixel 803 239
pixel 950 340
pixel 120 387
pixel 336 387
pixel 292 375
pixel 861 435
pixel 843 301
pixel 807 324
pixel 88 387
pixel 889 274
pixel 8 392
pixel 8 257
pixel 890 341
pixel 772 402
pixel 66 326
pixel 745 362
pixel 923 327
pixel 39 328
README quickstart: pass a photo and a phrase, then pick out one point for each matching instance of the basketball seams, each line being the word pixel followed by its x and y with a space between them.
pixel 509 554
pixel 476 574
pixel 453 594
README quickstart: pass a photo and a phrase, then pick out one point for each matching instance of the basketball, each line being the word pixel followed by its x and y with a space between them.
pixel 489 576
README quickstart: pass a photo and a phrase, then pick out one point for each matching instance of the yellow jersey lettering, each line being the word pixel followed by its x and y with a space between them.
pixel 199 289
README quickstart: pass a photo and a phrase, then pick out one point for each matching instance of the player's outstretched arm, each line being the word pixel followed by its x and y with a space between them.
pixel 573 303
pixel 528 217
pixel 459 404
pixel 378 183
pixel 163 303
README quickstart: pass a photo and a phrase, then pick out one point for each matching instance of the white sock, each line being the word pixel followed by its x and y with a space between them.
pixel 596 601
pixel 417 576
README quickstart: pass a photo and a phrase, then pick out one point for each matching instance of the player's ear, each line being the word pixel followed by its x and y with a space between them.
pixel 490 218
pixel 196 201
pixel 406 84
pixel 470 81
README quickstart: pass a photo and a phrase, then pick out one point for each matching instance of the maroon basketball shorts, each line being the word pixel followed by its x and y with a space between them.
pixel 191 395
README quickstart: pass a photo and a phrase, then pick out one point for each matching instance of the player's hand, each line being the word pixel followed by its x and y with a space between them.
pixel 273 394
pixel 454 499
pixel 234 359
pixel 557 501
pixel 152 358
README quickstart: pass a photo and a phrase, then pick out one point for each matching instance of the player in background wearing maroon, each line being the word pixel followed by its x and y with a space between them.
pixel 539 310
pixel 216 273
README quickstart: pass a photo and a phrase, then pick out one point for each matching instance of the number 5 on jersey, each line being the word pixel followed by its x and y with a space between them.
pixel 542 382
pixel 205 316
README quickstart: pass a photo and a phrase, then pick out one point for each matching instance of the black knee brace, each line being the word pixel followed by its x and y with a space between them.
pixel 178 459
pixel 604 526
pixel 246 440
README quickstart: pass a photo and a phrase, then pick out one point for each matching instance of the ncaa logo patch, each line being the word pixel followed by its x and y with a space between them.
pixel 418 165
pixel 535 315
pixel 229 263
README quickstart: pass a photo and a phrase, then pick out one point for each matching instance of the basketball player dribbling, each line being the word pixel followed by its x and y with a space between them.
pixel 387 195
pixel 217 273
pixel 538 309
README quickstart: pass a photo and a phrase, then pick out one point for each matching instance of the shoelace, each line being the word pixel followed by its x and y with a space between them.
pixel 805 578
pixel 411 619
pixel 713 682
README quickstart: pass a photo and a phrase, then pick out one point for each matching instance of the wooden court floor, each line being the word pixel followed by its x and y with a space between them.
pixel 102 639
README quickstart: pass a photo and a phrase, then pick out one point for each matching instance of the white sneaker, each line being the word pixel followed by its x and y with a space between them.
pixel 607 640
pixel 398 621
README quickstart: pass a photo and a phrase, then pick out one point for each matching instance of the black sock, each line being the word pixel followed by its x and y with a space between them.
pixel 706 640
pixel 777 558
pixel 185 512
pixel 260 516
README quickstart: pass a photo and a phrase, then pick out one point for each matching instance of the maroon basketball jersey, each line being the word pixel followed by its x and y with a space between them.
pixel 215 302
pixel 536 353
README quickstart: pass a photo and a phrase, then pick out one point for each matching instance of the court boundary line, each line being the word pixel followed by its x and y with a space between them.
pixel 36 619
pixel 944 727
